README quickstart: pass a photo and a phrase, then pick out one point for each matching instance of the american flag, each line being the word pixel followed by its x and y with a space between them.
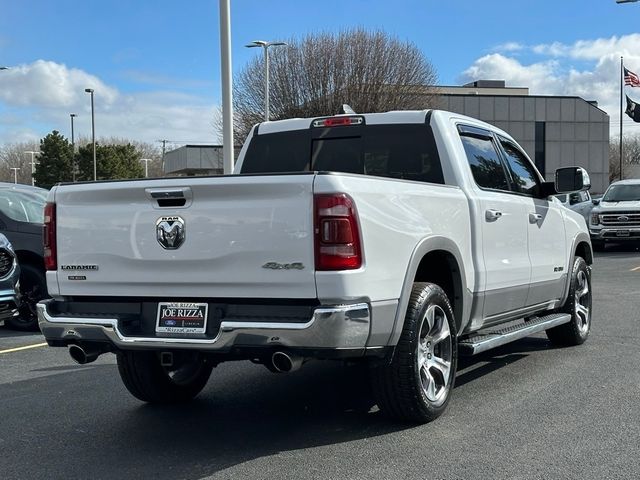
pixel 631 78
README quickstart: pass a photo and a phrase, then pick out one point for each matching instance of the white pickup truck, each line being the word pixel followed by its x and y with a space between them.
pixel 402 239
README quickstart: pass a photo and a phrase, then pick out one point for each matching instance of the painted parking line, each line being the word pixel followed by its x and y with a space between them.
pixel 26 347
pixel 635 269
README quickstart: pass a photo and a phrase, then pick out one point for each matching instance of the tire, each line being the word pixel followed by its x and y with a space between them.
pixel 33 288
pixel 149 381
pixel 417 384
pixel 578 304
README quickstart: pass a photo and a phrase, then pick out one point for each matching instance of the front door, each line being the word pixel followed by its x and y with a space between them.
pixel 545 226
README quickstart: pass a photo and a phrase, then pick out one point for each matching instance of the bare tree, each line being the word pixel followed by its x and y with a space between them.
pixel 12 156
pixel 630 157
pixel 313 76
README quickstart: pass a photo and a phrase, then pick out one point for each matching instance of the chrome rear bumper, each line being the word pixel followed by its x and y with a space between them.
pixel 330 327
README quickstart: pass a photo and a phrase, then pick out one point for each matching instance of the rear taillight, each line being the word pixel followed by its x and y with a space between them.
pixel 337 236
pixel 49 240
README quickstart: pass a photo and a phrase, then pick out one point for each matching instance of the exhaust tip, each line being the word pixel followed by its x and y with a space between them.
pixel 281 362
pixel 284 363
pixel 82 357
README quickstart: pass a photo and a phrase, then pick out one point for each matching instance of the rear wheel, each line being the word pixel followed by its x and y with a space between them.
pixel 33 288
pixel 578 304
pixel 148 380
pixel 417 385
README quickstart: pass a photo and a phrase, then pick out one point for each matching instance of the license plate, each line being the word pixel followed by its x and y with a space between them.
pixel 181 317
pixel 622 233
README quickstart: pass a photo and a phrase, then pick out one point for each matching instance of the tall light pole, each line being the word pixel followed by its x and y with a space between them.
pixel 73 148
pixel 15 174
pixel 227 91
pixel 265 45
pixel 93 135
pixel 33 164
pixel 146 166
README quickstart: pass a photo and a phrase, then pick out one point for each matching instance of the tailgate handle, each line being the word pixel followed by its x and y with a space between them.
pixel 170 197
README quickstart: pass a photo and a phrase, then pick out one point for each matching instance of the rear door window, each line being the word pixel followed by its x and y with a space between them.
pixel 486 166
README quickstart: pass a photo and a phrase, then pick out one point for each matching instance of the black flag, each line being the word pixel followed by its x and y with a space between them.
pixel 633 110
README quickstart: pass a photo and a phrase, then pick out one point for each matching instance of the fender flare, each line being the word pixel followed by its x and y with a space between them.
pixel 426 246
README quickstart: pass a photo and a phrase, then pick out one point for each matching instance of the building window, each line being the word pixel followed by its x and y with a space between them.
pixel 540 150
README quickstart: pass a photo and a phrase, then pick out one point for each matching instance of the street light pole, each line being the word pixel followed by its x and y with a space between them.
pixel 15 174
pixel 265 45
pixel 93 134
pixel 146 166
pixel 73 148
pixel 33 164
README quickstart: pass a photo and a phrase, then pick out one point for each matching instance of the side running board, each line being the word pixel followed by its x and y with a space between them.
pixel 487 339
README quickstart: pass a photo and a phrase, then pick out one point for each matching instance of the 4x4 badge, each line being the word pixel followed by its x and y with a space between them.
pixel 170 232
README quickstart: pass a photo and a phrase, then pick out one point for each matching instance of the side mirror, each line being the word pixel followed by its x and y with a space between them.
pixel 572 179
pixel 596 202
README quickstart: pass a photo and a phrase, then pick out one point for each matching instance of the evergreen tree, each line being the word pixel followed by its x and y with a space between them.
pixel 54 162
pixel 112 162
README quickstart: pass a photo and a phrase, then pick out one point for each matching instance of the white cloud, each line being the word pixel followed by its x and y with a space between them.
pixel 509 47
pixel 49 84
pixel 592 49
pixel 586 68
pixel 537 76
pixel 38 97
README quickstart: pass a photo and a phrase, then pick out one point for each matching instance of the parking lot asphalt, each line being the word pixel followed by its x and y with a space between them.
pixel 523 411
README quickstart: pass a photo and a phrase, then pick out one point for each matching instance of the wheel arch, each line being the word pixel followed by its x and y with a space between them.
pixel 580 247
pixel 437 260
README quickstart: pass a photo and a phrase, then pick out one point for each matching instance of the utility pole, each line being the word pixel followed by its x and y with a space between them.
pixel 73 148
pixel 15 174
pixel 164 145
pixel 146 166
pixel 93 134
pixel 33 164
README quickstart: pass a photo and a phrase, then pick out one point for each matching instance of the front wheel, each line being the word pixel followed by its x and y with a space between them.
pixel 417 385
pixel 148 380
pixel 578 304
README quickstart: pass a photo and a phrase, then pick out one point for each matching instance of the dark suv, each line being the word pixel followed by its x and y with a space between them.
pixel 21 221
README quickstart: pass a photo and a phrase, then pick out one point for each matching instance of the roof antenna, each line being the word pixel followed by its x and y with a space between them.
pixel 346 109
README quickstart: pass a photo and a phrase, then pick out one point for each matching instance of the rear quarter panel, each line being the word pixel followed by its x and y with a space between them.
pixel 396 216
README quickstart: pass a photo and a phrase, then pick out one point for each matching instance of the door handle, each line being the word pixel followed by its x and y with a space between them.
pixel 492 215
pixel 535 217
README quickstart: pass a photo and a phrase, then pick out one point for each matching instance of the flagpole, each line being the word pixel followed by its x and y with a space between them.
pixel 621 93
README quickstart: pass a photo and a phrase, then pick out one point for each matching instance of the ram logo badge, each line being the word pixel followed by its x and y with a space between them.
pixel 170 232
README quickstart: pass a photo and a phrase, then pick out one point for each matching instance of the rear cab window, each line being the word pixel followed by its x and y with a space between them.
pixel 404 151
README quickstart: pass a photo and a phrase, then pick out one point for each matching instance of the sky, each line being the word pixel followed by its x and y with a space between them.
pixel 155 65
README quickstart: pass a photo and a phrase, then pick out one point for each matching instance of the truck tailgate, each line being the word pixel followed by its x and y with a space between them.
pixel 245 236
